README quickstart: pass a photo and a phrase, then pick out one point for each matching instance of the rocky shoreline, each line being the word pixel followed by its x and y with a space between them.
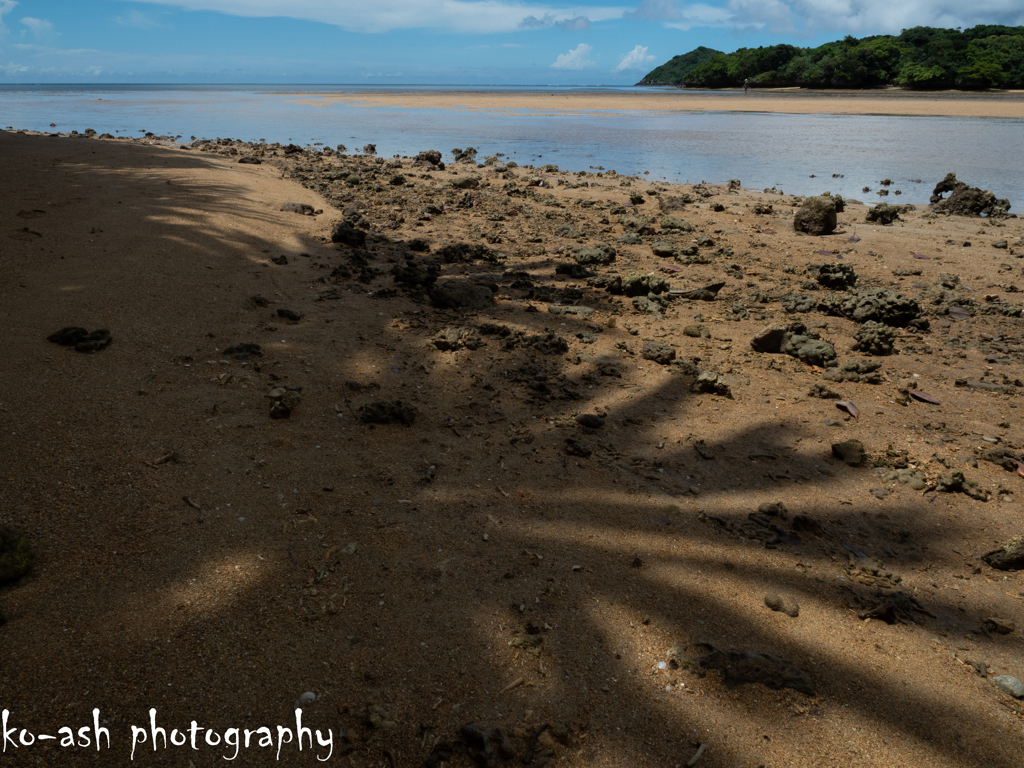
pixel 552 468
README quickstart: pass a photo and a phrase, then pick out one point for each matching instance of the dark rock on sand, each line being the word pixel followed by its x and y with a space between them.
pixel 575 271
pixel 883 213
pixel 966 201
pixel 601 254
pixel 346 234
pixel 464 253
pixel 635 284
pixel 1009 685
pixel 243 351
pixel 590 420
pixel 782 604
pixel 740 667
pixel 850 452
pixel 283 400
pixel 461 295
pixel 1009 557
pixel 710 383
pixel 300 208
pixel 706 293
pixel 882 305
pixel 675 224
pixel 658 351
pixel 770 339
pixel 430 157
pixel 857 372
pixel 450 339
pixel 80 339
pixel 794 303
pixel 574 447
pixel 810 350
pixel 388 412
pixel 413 274
pixel 16 554
pixel 837 277
pixel 290 314
pixel 875 339
pixel 817 216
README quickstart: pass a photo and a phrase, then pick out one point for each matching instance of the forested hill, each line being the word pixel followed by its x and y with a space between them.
pixel 673 71
pixel 922 58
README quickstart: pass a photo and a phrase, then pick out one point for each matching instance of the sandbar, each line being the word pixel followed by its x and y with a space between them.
pixel 1004 104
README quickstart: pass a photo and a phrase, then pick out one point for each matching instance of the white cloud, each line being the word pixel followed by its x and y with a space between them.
pixel 469 16
pixel 700 15
pixel 6 6
pixel 13 69
pixel 654 10
pixel 638 58
pixel 40 28
pixel 138 20
pixel 575 59
pixel 839 16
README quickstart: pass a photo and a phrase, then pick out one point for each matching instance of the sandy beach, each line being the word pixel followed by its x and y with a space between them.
pixel 505 465
pixel 783 101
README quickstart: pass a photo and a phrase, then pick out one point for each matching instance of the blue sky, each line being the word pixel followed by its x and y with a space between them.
pixel 430 41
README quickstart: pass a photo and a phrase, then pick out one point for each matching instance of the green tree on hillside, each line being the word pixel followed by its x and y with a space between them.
pixel 920 58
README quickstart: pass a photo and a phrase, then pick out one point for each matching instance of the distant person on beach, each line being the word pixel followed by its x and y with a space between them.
pixel 746 85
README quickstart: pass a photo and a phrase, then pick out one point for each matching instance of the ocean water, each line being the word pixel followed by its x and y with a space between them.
pixel 795 153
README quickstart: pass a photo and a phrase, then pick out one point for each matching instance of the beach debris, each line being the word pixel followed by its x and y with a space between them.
pixel 202 512
pixel 696 756
pixel 290 314
pixel 924 397
pixel 816 216
pixel 305 700
pixel 80 339
pixel 850 408
pixel 966 201
pixel 283 400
